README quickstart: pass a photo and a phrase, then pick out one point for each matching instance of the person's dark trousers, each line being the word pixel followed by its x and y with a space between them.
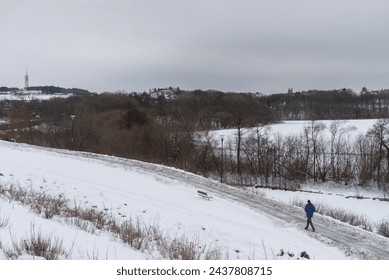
pixel 309 222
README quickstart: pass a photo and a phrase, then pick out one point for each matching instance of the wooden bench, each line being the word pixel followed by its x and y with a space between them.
pixel 204 195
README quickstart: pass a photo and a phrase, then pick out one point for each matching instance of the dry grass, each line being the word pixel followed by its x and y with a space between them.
pixel 130 231
pixel 37 245
pixel 184 248
pixel 383 228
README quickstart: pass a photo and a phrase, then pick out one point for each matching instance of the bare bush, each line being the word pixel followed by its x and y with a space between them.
pixel 134 234
pixel 37 245
pixel 99 219
pixel 47 205
pixel 347 217
pixel 183 248
pixel 383 228
pixel 12 192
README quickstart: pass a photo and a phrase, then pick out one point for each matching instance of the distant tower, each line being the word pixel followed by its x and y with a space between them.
pixel 26 80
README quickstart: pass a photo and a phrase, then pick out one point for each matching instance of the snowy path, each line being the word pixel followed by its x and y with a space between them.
pixel 353 241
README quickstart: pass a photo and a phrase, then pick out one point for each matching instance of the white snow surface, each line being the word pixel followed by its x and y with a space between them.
pixel 244 224
pixel 296 128
pixel 31 95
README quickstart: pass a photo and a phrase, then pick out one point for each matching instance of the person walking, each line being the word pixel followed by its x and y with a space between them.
pixel 309 210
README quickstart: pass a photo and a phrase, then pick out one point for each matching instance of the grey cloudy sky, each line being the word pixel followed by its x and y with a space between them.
pixel 231 45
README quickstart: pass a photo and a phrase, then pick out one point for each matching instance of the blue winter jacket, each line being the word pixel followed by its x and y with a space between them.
pixel 309 209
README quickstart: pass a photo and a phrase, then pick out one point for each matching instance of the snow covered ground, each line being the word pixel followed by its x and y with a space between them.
pixel 232 221
pixel 296 127
pixel 31 95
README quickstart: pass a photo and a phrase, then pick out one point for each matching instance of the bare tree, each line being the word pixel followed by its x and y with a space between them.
pixel 380 132
pixel 313 135
pixel 340 161
pixel 366 161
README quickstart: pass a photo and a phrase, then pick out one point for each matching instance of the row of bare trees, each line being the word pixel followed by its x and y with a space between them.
pixel 318 154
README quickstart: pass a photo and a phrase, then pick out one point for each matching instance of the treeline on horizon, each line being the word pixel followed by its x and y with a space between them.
pixel 329 104
pixel 177 131
pixel 301 105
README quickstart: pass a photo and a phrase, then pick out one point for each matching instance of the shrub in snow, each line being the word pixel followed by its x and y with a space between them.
pixel 36 246
pixel 383 228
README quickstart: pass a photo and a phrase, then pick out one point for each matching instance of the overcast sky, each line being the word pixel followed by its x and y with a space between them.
pixel 231 45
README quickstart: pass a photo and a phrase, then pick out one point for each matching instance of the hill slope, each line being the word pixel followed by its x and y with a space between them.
pixel 242 225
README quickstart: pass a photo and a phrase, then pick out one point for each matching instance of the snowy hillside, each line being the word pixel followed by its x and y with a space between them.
pixel 234 224
pixel 30 95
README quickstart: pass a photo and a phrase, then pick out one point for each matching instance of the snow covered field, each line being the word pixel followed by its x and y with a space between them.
pixel 31 95
pixel 166 198
pixel 296 127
